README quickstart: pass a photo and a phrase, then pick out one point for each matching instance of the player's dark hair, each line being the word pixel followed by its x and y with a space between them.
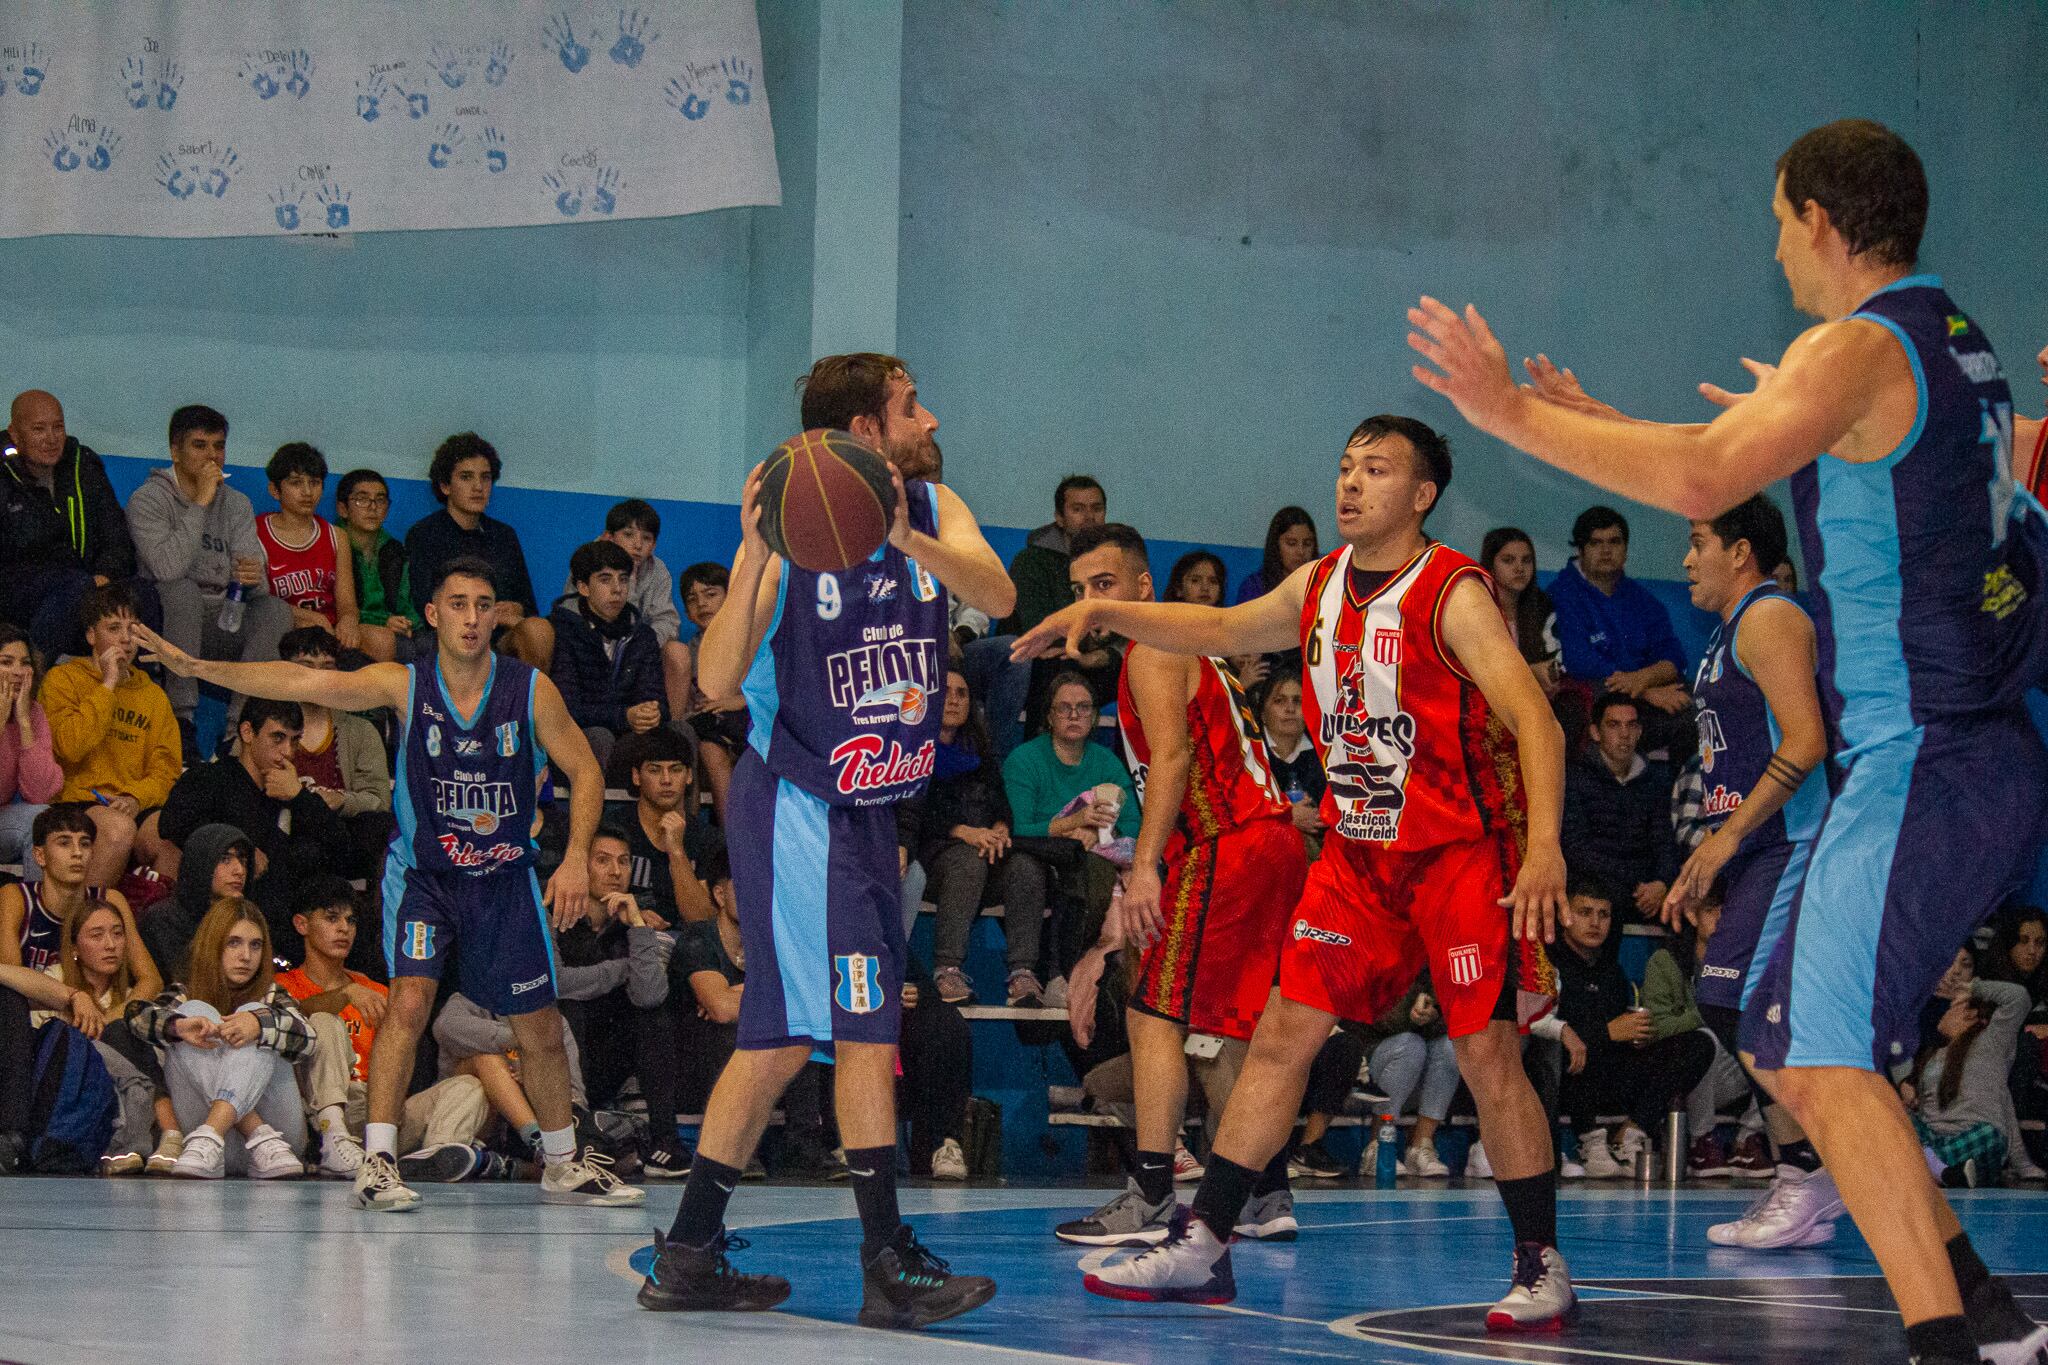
pixel 297 644
pixel 1126 538
pixel 636 512
pixel 1176 579
pixel 109 599
pixel 1607 701
pixel 66 817
pixel 840 388
pixel 345 486
pixel 1430 447
pixel 710 573
pixel 464 445
pixel 197 417
pixel 1598 517
pixel 463 566
pixel 1758 521
pixel 1591 885
pixel 1271 571
pixel 1870 182
pixel 296 457
pixel 328 892
pixel 1070 484
pixel 258 712
pixel 594 557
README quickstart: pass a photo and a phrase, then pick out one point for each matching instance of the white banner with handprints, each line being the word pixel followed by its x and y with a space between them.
pixel 228 118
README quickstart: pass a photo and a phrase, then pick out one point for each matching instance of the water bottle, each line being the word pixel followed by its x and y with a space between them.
pixel 1296 793
pixel 1387 1162
pixel 231 608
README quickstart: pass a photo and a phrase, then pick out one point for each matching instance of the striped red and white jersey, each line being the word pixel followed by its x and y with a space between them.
pixel 1230 784
pixel 1415 756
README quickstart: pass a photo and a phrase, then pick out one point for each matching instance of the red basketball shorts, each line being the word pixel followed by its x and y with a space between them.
pixel 1226 903
pixel 1370 920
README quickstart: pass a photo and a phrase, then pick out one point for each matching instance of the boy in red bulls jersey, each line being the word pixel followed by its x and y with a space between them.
pixel 478 729
pixel 1893 420
pixel 1208 934
pixel 302 552
pixel 842 674
pixel 1443 850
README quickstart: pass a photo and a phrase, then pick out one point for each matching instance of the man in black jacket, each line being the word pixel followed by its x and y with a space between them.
pixel 606 663
pixel 1617 810
pixel 62 531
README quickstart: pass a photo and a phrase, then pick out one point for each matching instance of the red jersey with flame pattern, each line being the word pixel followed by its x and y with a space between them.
pixel 1230 785
pixel 302 575
pixel 1416 758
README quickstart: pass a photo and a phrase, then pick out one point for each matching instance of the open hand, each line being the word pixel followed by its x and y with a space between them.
pixel 1066 632
pixel 1471 367
pixel 1144 921
pixel 157 650
pixel 1721 398
pixel 1560 386
pixel 751 539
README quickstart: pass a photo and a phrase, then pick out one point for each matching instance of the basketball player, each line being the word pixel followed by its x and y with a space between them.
pixel 478 728
pixel 1902 518
pixel 1762 737
pixel 1408 670
pixel 841 673
pixel 1209 934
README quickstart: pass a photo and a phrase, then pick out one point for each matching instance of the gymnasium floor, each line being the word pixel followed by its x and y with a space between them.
pixel 151 1271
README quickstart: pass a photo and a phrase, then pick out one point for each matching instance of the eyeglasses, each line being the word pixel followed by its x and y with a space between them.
pixel 369 500
pixel 1074 709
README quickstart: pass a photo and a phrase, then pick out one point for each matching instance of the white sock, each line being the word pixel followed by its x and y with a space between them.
pixel 330 1123
pixel 380 1139
pixel 557 1145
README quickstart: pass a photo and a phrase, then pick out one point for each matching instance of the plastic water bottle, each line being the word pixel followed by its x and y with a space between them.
pixel 1387 1162
pixel 231 608
pixel 1296 793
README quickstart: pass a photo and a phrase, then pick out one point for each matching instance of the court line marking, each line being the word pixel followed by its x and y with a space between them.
pixel 1354 1327
pixel 1500 1217
pixel 1802 1301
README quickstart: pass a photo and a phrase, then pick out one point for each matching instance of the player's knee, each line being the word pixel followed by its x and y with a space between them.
pixel 1490 1060
pixel 1289 1034
pixel 409 1006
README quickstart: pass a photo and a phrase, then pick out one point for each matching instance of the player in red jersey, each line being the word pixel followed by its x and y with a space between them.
pixel 1413 678
pixel 1208 934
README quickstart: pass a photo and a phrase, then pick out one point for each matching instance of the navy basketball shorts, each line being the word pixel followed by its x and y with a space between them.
pixel 1928 833
pixel 494 924
pixel 1756 904
pixel 821 914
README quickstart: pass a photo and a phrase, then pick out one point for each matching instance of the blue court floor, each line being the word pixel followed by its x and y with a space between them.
pixel 100 1272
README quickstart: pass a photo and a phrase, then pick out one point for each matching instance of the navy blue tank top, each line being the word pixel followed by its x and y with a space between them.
pixel 1900 549
pixel 42 933
pixel 849 682
pixel 1738 735
pixel 465 787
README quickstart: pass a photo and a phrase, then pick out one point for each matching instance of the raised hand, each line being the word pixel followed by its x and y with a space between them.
pixel 1560 386
pixel 1471 368
pixel 751 539
pixel 499 66
pixel 1721 398
pixel 561 35
pixel 157 650
pixel 899 525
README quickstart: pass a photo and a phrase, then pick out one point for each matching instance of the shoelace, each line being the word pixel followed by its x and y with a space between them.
pixel 1529 1267
pixel 723 1268
pixel 920 1266
pixel 596 1163
pixel 383 1172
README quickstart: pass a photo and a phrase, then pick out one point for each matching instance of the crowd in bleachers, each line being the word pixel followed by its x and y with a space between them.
pixel 200 909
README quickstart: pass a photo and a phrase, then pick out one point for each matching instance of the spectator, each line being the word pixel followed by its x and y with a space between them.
pixel 340 758
pixel 687 1020
pixel 596 964
pixel 466 468
pixel 33 914
pixel 660 836
pixel 216 866
pixel 1957 1087
pixel 196 538
pixel 720 723
pixel 1290 543
pixel 1668 995
pixel 1625 1070
pixel 1040 568
pixel 230 1035
pixel 20 989
pixel 1197 579
pixel 1617 810
pixel 607 662
pixel 102 955
pixel 1786 575
pixel 379 573
pixel 2019 954
pixel 343 1009
pixel 302 550
pixel 634 526
pixel 1331 1078
pixel 29 776
pixel 1615 636
pixel 1509 555
pixel 114 733
pixel 1296 768
pixel 1040 779
pixel 1411 1057
pixel 62 531
pixel 475 1042
pixel 937 1051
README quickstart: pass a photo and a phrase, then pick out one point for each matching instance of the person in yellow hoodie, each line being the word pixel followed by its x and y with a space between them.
pixel 114 735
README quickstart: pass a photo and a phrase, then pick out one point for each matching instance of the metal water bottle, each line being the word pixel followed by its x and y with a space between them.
pixel 231 608
pixel 1387 1161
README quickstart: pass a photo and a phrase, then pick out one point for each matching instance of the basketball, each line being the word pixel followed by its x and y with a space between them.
pixel 826 501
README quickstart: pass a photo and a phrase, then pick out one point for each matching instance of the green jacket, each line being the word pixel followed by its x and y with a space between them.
pixel 1040 574
pixel 1668 995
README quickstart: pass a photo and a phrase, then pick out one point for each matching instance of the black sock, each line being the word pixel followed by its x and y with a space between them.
pixel 1222 1194
pixel 1274 1177
pixel 1800 1154
pixel 1942 1339
pixel 1155 1175
pixel 1987 1303
pixel 873 1171
pixel 705 1194
pixel 1532 1207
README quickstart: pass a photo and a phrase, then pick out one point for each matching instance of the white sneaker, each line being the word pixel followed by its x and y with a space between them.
pixel 1190 1266
pixel 122 1163
pixel 271 1157
pixel 204 1156
pixel 1055 994
pixel 1185 1167
pixel 341 1156
pixel 380 1188
pixel 2030 1349
pixel 1632 1150
pixel 586 1178
pixel 949 1162
pixel 1422 1160
pixel 1540 1299
pixel 1594 1156
pixel 1568 1169
pixel 169 1147
pixel 1268 1218
pixel 1799 1210
pixel 1477 1167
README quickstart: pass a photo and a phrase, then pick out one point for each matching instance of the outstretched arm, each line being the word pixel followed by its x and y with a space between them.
pixel 568 891
pixel 1264 624
pixel 363 690
pixel 958 556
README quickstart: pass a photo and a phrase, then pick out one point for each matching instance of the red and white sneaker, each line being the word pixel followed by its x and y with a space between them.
pixel 1185 1167
pixel 1190 1266
pixel 1540 1299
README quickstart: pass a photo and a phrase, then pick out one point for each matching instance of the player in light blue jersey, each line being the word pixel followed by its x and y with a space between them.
pixel 1920 561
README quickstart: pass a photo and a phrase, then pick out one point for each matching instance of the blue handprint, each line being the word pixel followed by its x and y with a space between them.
pixel 445 143
pixel 220 173
pixel 262 77
pixel 102 154
pixel 605 197
pixel 135 71
pixel 31 82
pixel 370 97
pixel 561 35
pixel 301 79
pixel 739 80
pixel 568 201
pixel 495 156
pixel 335 199
pixel 415 101
pixel 682 97
pixel 500 65
pixel 174 178
pixel 285 205
pixel 168 79
pixel 62 154
pixel 452 65
pixel 633 38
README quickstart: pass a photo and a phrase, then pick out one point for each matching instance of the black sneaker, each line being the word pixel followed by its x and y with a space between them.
pixel 442 1164
pixel 904 1285
pixel 668 1160
pixel 701 1280
pixel 1312 1161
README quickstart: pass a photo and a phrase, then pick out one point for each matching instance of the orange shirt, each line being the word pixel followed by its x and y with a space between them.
pixel 360 1034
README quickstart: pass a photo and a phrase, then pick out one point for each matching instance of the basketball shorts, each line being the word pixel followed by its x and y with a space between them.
pixel 1370 920
pixel 1226 903
pixel 821 914
pixel 1756 902
pixel 494 925
pixel 1927 834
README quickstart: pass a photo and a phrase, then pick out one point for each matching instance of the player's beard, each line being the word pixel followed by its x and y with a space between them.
pixel 920 459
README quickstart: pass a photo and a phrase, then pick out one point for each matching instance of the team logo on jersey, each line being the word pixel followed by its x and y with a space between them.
pixel 465 747
pixel 419 940
pixel 1386 646
pixel 1465 964
pixel 1304 930
pixel 433 741
pixel 881 588
pixel 863 767
pixel 1957 324
pixel 508 739
pixel 1712 740
pixel 854 675
pixel 922 587
pixel 891 701
pixel 859 990
pixel 481 807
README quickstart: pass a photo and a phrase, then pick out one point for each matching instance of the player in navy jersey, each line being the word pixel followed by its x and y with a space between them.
pixel 478 729
pixel 1915 544
pixel 843 674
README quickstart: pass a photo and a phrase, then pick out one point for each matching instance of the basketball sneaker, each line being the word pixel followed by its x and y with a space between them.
pixel 1596 1158
pixel 702 1280
pixel 1312 1161
pixel 667 1159
pixel 1708 1159
pixel 1268 1218
pixel 1190 1266
pixel 1799 1210
pixel 949 1162
pixel 2030 1349
pixel 904 1285
pixel 1477 1167
pixel 380 1188
pixel 587 1179
pixel 1631 1149
pixel 1125 1221
pixel 340 1156
pixel 1540 1299
pixel 1185 1167
pixel 1750 1158
pixel 444 1163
